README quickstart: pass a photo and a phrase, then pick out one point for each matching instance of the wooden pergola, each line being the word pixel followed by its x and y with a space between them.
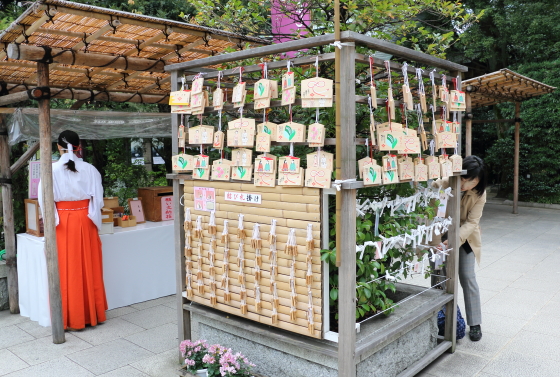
pixel 498 87
pixel 62 49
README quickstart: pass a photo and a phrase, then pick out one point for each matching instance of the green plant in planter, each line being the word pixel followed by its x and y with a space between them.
pixel 372 296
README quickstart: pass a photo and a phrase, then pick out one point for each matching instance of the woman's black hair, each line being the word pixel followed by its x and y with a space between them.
pixel 71 137
pixel 475 169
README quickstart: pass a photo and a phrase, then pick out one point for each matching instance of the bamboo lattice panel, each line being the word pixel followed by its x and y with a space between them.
pixel 292 208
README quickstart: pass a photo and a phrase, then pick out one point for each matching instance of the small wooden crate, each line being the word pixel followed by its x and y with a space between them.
pixel 33 218
pixel 112 203
pixel 151 200
pixel 126 223
pixel 106 215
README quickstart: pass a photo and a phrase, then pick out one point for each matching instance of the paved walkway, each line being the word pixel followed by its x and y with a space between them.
pixel 519 279
pixel 520 288
pixel 136 341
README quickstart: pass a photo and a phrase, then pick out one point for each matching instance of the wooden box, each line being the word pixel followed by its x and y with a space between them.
pixel 126 223
pixel 151 201
pixel 33 218
pixel 112 203
pixel 106 215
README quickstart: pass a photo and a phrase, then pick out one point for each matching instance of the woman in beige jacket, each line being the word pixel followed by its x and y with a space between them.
pixel 473 191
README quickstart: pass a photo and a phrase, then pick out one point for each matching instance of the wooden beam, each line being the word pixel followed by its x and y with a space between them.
pixel 79 94
pixel 150 87
pixel 51 251
pixel 36 53
pixel 400 51
pixel 395 67
pixel 165 58
pixel 346 246
pixel 47 14
pixel 9 99
pixel 254 53
pixel 30 152
pixel 516 159
pixel 307 60
pixel 156 23
pixel 8 220
pixel 114 24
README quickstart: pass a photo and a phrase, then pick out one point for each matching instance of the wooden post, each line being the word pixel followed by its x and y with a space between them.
pixel 468 127
pixel 8 213
pixel 346 221
pixel 338 154
pixel 51 251
pixel 452 263
pixel 516 158
pixel 184 316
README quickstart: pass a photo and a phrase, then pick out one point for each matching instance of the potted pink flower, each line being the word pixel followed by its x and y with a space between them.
pixel 194 353
pixel 213 361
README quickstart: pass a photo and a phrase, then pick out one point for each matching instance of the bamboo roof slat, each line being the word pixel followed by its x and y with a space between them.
pixel 85 29
pixel 503 86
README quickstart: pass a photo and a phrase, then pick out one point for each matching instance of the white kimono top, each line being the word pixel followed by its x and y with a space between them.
pixel 70 186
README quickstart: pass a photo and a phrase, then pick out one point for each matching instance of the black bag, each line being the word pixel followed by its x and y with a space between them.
pixel 461 325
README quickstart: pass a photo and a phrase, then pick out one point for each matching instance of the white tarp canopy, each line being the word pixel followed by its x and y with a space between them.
pixel 23 124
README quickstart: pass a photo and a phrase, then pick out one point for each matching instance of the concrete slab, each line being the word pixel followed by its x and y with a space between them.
pixel 109 356
pixel 536 344
pixel 500 325
pixel 7 319
pixel 34 329
pixel 10 362
pixel 487 347
pixel 459 364
pixel 535 285
pixel 157 340
pixel 152 317
pixel 42 350
pixel 163 364
pixel 152 303
pixel 12 335
pixel 509 364
pixel 108 331
pixel 126 371
pixel 119 312
pixel 58 367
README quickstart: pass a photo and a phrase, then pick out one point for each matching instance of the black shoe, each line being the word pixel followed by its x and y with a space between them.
pixel 475 333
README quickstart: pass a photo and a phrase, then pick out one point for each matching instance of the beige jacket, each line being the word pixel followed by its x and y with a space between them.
pixel 471 212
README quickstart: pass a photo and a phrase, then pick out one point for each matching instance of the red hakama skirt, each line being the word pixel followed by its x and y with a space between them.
pixel 80 265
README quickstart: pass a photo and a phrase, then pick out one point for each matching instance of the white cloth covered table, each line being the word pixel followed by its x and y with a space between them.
pixel 138 265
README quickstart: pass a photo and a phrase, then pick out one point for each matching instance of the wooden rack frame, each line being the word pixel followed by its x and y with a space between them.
pixel 346 169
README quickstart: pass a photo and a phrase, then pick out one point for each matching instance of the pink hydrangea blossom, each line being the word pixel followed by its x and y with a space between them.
pixel 189 362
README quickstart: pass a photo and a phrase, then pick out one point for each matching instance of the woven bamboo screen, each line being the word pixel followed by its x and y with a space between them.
pixel 503 86
pixel 84 28
pixel 292 208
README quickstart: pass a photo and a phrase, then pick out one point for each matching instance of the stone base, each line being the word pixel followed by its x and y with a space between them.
pixel 385 346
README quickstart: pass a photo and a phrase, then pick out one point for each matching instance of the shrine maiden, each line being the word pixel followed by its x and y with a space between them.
pixel 78 196
pixel 473 191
